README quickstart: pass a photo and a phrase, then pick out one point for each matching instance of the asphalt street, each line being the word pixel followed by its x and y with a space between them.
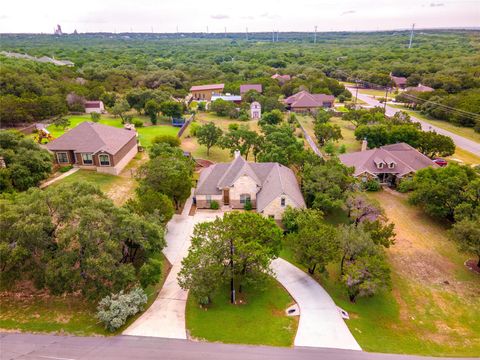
pixel 52 347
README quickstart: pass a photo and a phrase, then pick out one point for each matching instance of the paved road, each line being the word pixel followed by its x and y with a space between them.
pixel 460 141
pixel 321 324
pixel 51 347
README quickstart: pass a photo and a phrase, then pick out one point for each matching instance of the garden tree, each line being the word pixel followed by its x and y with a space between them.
pixel 201 106
pixel 208 135
pixel 152 205
pixel 327 132
pixel 95 116
pixel 172 109
pixel 171 140
pixel 26 163
pixel 409 134
pixel 273 117
pixel 77 241
pixel 443 191
pixel 363 116
pixel 290 218
pixel 235 249
pixel 401 118
pixel 61 122
pixel 376 135
pixel 138 99
pixel 164 149
pixel 381 232
pixel 322 117
pixel 367 275
pixel 315 243
pixel 433 145
pixel 466 233
pixel 120 109
pixel 353 242
pixel 325 186
pixel 281 145
pixel 169 174
pixel 152 109
pixel 243 139
pixel 222 107
pixel 362 209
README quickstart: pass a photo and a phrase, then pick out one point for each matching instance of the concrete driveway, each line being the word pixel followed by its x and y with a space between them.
pixel 166 317
pixel 321 324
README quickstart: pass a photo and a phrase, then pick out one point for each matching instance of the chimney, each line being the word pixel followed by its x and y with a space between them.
pixel 236 154
pixel 364 144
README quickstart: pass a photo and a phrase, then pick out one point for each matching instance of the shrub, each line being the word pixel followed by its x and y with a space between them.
pixel 330 148
pixel 193 128
pixel 95 116
pixel 248 205
pixel 244 117
pixel 372 185
pixel 214 205
pixel 114 310
pixel 342 149
pixel 138 123
pixel 341 98
pixel 172 140
pixel 405 186
pixel 64 169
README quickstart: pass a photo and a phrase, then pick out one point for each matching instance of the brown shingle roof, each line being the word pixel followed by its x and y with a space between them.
pixel 92 137
pixel 247 87
pixel 399 81
pixel 406 159
pixel 93 104
pixel 304 99
pixel 207 87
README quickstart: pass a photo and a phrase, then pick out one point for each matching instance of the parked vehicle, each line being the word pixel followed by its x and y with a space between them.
pixel 440 162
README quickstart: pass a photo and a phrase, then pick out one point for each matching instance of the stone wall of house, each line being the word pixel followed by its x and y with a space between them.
pixel 244 185
pixel 275 207
pixel 202 202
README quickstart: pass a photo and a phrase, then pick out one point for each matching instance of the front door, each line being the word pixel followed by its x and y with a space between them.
pixel 226 196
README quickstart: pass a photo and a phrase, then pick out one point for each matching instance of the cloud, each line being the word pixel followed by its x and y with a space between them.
pixel 247 17
pixel 436 4
pixel 269 16
pixel 220 16
pixel 348 12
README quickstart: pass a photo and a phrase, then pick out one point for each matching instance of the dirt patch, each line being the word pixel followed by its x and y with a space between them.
pixel 472 265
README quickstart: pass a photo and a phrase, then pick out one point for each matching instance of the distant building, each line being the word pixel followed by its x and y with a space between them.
pixel 255 110
pixel 205 92
pixel 237 99
pixel 387 164
pixel 248 87
pixel 94 106
pixel 303 101
pixel 420 88
pixel 94 146
pixel 281 78
pixel 399 82
pixel 58 30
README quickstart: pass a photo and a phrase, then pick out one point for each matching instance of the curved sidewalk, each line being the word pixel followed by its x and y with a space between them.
pixel 321 324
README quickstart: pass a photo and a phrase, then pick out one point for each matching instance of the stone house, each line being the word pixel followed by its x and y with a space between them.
pixel 303 102
pixel 268 187
pixel 255 110
pixel 205 92
pixel 94 106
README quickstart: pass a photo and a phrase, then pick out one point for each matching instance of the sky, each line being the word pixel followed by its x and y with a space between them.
pixel 36 16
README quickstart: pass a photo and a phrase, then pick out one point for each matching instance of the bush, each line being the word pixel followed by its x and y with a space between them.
pixel 372 185
pixel 138 123
pixel 405 186
pixel 193 128
pixel 95 116
pixel 248 205
pixel 115 309
pixel 172 140
pixel 64 169
pixel 214 205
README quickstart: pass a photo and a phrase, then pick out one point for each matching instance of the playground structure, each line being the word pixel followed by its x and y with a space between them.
pixel 42 134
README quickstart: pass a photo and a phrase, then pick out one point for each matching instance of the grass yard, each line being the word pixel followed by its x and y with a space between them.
pixel 260 321
pixel 147 133
pixel 61 314
pixel 432 308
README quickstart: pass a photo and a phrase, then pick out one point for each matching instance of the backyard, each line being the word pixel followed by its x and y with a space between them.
pixel 260 320
pixel 431 308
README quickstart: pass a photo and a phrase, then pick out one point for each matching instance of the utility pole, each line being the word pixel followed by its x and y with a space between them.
pixel 315 36
pixel 232 284
pixel 411 36
pixel 356 94
pixel 385 102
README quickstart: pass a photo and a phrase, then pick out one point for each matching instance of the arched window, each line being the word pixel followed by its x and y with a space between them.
pixel 244 198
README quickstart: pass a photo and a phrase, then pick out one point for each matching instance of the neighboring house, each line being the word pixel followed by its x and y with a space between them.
pixel 94 106
pixel 388 164
pixel 282 79
pixel 303 101
pixel 420 88
pixel 269 187
pixel 248 87
pixel 237 99
pixel 95 146
pixel 205 92
pixel 255 110
pixel 399 82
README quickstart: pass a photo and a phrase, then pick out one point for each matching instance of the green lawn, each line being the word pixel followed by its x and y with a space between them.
pixel 104 181
pixel 260 321
pixel 146 133
pixel 62 314
pixel 422 314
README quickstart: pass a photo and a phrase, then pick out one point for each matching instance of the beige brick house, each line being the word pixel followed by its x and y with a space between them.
pixel 269 187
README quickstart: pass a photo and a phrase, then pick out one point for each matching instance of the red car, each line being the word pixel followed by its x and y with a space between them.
pixel 440 162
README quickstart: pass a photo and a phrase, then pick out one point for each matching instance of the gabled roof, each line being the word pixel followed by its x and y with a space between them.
pixel 420 88
pixel 93 104
pixel 405 158
pixel 248 87
pixel 272 179
pixel 305 99
pixel 207 87
pixel 398 80
pixel 281 77
pixel 92 137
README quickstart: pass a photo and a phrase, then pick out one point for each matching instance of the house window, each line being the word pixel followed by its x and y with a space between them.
pixel 104 159
pixel 271 216
pixel 87 159
pixel 380 165
pixel 62 157
pixel 244 198
pixel 209 199
pixel 282 201
pixel 391 165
